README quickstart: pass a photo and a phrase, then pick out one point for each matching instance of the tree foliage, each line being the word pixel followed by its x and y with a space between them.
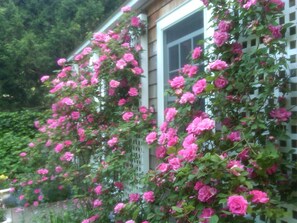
pixel 34 34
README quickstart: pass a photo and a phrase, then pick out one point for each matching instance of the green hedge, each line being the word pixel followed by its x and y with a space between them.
pixel 16 131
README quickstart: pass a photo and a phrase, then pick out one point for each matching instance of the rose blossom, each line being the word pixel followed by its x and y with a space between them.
pixel 44 78
pixel 130 221
pixel 133 92
pixel 151 137
pixel 220 38
pixel 224 26
pixel 97 203
pixel 234 136
pixel 196 53
pixel 98 189
pixel 121 64
pixel 281 114
pixel 149 196
pixel 68 156
pixel 237 205
pixel 135 21
pixel 59 147
pixel 190 153
pixel 206 214
pixel 170 114
pixel 114 84
pixel 163 167
pixel 175 163
pixel 23 154
pixel 199 86
pixel 218 65
pixel 160 152
pixel 128 57
pixel 127 116
pixel 112 142
pixel 221 82
pixel 259 196
pixel 187 97
pixel 275 31
pixel 206 192
pixel 198 125
pixel 126 9
pixel 190 70
pixel 122 101
pixel 134 197
pixel 117 209
pixel 61 61
pixel 177 82
pixel 249 3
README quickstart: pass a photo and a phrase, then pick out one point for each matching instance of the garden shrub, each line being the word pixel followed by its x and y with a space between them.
pixel 222 164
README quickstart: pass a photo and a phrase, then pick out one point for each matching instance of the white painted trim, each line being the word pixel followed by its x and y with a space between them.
pixel 144 91
pixel 163 23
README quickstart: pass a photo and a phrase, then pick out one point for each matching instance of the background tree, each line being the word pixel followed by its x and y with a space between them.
pixel 34 34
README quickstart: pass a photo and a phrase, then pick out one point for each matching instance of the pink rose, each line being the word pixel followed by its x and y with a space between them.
pixel 112 142
pixel 221 82
pixel 259 196
pixel 220 38
pixel 121 64
pixel 249 3
pixel 206 214
pixel 196 53
pixel 237 205
pixel 234 136
pixel 190 70
pixel 198 125
pixel 218 65
pixel 281 114
pixel 122 101
pixel 175 163
pixel 127 116
pixel 23 154
pixel 97 203
pixel 58 169
pixel 149 196
pixel 163 167
pixel 137 70
pixel 160 152
pixel 151 137
pixel 114 84
pixel 224 26
pixel 199 86
pixel 198 185
pixel 133 92
pixel 98 189
pixel 126 9
pixel 59 147
pixel 275 31
pixel 130 221
pixel 117 209
pixel 128 57
pixel 170 114
pixel 190 153
pixel 42 171
pixel 187 97
pixel 44 78
pixel 206 192
pixel 135 21
pixel 75 115
pixel 177 82
pixel 68 156
pixel 134 197
pixel 61 61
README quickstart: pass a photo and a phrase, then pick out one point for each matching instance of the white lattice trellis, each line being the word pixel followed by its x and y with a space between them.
pixel 290 12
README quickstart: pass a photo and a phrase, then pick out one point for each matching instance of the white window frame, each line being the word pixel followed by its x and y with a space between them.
pixel 166 21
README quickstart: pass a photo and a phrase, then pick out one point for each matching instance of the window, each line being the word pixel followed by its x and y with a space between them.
pixel 179 40
pixel 177 34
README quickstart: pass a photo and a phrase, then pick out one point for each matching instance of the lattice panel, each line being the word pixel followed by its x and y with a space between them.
pixel 290 14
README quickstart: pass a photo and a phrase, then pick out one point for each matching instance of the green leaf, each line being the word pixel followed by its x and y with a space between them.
pixel 214 219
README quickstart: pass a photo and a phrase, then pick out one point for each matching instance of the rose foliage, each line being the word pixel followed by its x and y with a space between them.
pixel 219 161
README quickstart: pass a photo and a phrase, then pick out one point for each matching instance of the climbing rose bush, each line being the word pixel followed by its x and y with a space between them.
pixel 218 147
